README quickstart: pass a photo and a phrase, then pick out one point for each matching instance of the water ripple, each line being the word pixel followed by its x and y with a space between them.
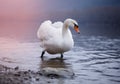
pixel 93 60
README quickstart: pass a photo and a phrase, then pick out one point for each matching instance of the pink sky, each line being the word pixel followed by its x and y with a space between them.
pixel 19 9
pixel 16 17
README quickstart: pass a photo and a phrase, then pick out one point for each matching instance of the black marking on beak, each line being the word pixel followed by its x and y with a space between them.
pixel 76 25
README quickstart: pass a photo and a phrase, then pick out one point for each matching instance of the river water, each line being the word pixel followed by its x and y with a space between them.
pixel 93 60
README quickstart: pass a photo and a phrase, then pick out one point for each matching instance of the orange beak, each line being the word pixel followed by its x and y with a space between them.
pixel 77 29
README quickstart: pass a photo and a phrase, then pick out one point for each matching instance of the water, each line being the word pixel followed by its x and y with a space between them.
pixel 93 60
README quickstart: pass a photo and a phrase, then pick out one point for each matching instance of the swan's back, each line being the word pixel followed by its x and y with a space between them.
pixel 58 24
pixel 47 27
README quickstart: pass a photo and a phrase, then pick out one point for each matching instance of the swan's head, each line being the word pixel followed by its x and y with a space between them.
pixel 72 23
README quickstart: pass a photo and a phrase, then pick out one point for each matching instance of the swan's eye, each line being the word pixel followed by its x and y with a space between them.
pixel 76 25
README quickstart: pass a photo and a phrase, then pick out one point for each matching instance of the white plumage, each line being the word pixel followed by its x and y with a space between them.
pixel 56 37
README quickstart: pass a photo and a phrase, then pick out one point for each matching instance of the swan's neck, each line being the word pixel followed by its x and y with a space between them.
pixel 67 36
pixel 65 29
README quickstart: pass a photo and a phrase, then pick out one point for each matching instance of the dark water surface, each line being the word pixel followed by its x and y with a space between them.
pixel 93 60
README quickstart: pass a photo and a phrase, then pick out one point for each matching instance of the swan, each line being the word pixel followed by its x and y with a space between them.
pixel 56 38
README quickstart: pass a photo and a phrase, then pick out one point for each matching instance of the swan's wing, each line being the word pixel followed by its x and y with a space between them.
pixel 57 24
pixel 45 30
pixel 48 34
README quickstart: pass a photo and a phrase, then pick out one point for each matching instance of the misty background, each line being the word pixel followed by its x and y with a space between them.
pixel 21 19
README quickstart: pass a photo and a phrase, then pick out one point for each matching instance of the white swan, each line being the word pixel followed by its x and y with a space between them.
pixel 56 37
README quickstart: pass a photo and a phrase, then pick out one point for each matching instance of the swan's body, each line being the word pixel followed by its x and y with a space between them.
pixel 56 38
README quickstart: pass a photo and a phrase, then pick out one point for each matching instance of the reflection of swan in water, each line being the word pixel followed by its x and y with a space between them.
pixel 53 63
pixel 56 67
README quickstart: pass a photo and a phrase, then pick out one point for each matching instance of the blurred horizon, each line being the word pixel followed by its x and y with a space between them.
pixel 21 19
